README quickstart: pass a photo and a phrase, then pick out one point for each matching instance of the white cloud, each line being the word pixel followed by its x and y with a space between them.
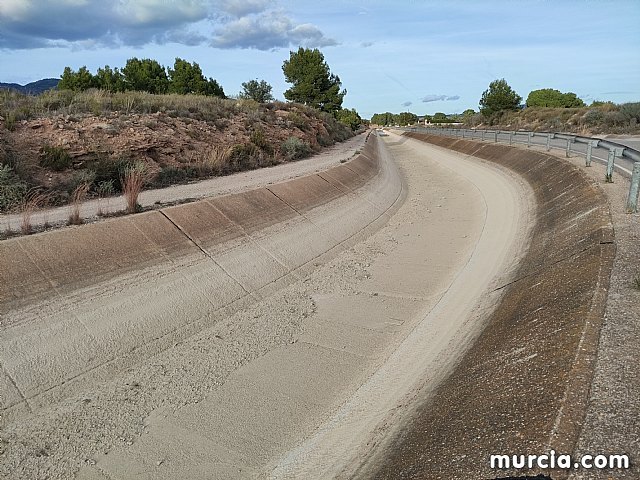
pixel 15 10
pixel 149 12
pixel 433 98
pixel 242 8
pixel 77 23
pixel 438 98
pixel 267 31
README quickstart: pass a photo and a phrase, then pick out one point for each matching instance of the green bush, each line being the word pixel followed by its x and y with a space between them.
pixel 298 121
pixel 243 156
pixel 12 189
pixel 593 117
pixel 82 177
pixel 259 140
pixel 108 170
pixel 631 111
pixel 105 188
pixel 615 119
pixel 294 149
pixel 172 175
pixel 324 140
pixel 55 158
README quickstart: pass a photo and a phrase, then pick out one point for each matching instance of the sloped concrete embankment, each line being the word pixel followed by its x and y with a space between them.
pixel 523 386
pixel 80 305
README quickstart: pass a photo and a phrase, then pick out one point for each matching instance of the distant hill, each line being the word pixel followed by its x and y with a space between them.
pixel 33 88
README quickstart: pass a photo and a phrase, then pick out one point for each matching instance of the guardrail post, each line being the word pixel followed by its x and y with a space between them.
pixel 483 133
pixel 568 147
pixel 632 201
pixel 587 160
pixel 548 142
pixel 529 135
pixel 463 133
pixel 610 164
pixel 495 137
pixel 510 138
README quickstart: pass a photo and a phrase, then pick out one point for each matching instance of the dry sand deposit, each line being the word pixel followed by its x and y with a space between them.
pixel 144 376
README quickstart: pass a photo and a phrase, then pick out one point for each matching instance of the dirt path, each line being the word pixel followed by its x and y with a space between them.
pixel 265 391
pixel 57 217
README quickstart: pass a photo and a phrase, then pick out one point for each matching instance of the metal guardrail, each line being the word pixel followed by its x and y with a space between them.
pixel 576 144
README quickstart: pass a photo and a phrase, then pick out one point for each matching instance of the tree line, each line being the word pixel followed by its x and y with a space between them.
pixel 499 97
pixel 145 75
pixel 401 119
pixel 312 82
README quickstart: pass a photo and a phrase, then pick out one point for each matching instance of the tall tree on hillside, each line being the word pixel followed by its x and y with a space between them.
pixel 498 97
pixel 312 82
pixel 77 81
pixel 440 117
pixel 350 118
pixel 110 80
pixel 406 118
pixel 213 89
pixel 549 97
pixel 260 91
pixel 185 78
pixel 384 119
pixel 145 75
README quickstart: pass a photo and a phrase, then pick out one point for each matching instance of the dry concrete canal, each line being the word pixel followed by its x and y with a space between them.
pixel 304 329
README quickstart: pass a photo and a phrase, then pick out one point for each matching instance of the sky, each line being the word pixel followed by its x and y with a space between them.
pixel 421 56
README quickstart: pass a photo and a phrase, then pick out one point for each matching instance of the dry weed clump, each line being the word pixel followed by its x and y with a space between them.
pixel 105 190
pixel 32 201
pixel 132 179
pixel 77 197
pixel 214 162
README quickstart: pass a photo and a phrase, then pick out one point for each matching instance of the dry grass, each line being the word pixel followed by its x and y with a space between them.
pixel 215 160
pixel 132 180
pixel 77 197
pixel 32 201
pixel 105 191
pixel 16 107
pixel 607 118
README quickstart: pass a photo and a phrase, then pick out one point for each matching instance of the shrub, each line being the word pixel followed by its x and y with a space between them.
pixel 593 117
pixel 82 177
pixel 10 121
pixel 294 149
pixel 337 131
pixel 615 119
pixel 243 156
pixel 55 158
pixel 132 181
pixel 324 140
pixel 213 162
pixel 105 190
pixel 171 175
pixel 77 197
pixel 298 121
pixel 32 200
pixel 12 189
pixel 108 170
pixel 259 140
pixel 631 111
